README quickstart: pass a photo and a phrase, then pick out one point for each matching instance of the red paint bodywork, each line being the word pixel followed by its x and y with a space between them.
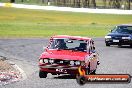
pixel 63 55
pixel 72 37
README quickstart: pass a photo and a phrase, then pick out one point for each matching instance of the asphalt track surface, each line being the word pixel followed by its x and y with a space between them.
pixel 25 53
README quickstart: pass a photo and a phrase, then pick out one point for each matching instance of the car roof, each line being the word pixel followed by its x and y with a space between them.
pixel 72 37
pixel 125 25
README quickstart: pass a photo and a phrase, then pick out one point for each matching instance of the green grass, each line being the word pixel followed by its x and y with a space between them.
pixel 37 23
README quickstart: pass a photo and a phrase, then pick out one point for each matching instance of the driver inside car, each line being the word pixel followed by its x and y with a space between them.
pixel 61 44
pixel 82 46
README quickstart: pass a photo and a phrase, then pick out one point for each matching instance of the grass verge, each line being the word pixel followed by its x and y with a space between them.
pixel 38 23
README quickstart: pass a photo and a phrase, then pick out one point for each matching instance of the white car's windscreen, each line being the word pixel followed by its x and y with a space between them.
pixel 123 29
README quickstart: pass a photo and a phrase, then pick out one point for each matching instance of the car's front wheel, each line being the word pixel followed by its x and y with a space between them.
pixel 81 80
pixel 42 74
pixel 107 44
pixel 119 45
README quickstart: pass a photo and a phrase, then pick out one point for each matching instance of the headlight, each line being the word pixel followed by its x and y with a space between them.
pixel 45 60
pixel 126 37
pixel 77 62
pixel 107 36
pixel 71 62
pixel 51 61
pixel 41 61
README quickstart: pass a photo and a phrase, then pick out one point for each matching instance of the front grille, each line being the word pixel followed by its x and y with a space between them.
pixel 116 37
pixel 119 36
pixel 62 62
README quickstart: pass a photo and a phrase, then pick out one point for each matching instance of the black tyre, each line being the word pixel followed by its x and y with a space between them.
pixel 53 73
pixel 107 44
pixel 87 70
pixel 42 74
pixel 81 80
pixel 93 73
pixel 131 45
pixel 119 45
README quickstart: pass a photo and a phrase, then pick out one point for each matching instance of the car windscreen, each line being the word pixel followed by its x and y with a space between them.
pixel 69 44
pixel 123 29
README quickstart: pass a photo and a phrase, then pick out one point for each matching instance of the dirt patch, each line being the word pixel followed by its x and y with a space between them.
pixel 8 72
pixel 5 67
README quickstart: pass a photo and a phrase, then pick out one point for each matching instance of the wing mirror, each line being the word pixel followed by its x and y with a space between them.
pixel 110 30
pixel 45 48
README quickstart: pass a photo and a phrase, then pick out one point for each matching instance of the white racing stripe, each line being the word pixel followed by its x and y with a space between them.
pixel 85 10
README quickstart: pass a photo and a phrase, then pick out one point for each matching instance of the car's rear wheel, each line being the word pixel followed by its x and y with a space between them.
pixel 107 44
pixel 87 71
pixel 42 74
pixel 93 73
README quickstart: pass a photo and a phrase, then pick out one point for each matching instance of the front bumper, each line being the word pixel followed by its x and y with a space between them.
pixel 118 41
pixel 55 68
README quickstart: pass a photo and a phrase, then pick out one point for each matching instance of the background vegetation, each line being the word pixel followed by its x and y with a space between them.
pixel 119 4
pixel 38 23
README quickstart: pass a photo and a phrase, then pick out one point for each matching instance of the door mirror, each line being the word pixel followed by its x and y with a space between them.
pixel 110 30
pixel 45 48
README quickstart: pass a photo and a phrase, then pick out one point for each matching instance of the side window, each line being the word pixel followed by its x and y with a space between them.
pixel 91 47
pixel 92 44
pixel 50 42
pixel 114 29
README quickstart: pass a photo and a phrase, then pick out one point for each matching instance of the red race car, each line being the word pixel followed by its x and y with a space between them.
pixel 65 54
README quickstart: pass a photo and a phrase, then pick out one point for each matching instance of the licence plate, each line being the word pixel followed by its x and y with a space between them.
pixel 115 40
pixel 59 70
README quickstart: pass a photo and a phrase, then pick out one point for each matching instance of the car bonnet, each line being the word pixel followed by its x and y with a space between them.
pixel 64 54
